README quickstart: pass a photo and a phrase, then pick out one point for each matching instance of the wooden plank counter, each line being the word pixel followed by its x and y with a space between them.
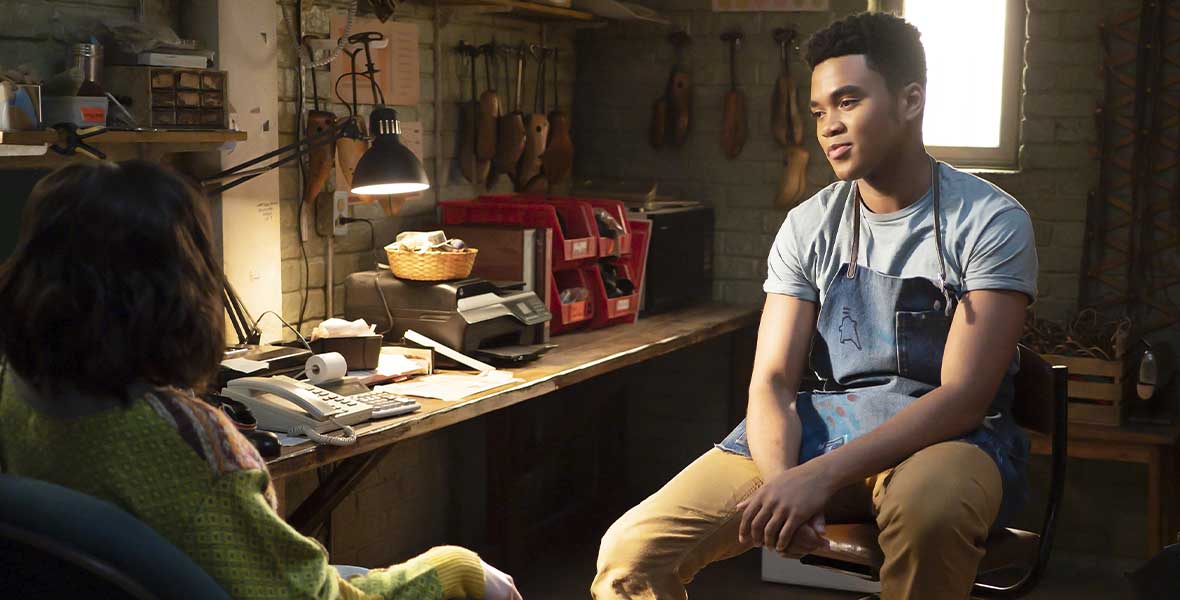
pixel 578 357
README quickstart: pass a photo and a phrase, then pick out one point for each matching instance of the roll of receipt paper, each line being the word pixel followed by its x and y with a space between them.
pixel 322 368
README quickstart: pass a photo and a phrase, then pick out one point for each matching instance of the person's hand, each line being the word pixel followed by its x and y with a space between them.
pixel 498 585
pixel 787 506
pixel 808 538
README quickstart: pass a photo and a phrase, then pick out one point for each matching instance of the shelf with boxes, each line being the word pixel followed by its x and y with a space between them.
pixel 171 97
pixel 595 275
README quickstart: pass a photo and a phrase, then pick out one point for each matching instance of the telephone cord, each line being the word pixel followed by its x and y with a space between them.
pixel 347 439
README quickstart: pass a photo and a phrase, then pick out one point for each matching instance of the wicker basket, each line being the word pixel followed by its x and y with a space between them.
pixel 431 266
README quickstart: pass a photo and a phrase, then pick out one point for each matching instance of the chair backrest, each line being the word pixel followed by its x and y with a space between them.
pixel 1035 400
pixel 60 543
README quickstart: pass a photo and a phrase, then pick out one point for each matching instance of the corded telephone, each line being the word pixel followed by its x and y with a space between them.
pixel 281 403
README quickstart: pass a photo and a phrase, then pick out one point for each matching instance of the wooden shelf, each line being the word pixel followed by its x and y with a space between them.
pixel 532 9
pixel 49 136
pixel 152 145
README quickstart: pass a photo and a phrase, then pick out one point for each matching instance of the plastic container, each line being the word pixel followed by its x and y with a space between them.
pixel 575 315
pixel 575 239
pixel 619 309
pixel 83 111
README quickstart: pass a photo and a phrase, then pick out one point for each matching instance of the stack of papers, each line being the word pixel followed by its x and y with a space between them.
pixel 392 366
pixel 451 386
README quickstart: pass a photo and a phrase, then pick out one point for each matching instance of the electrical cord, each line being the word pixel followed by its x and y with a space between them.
pixel 369 222
pixel 298 335
pixel 296 32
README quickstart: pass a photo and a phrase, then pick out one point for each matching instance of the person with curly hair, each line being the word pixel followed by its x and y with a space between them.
pixel 906 284
pixel 111 324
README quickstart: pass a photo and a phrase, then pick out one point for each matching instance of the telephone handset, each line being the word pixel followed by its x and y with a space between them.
pixel 284 404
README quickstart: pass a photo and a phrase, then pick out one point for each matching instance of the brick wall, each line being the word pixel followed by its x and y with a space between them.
pixel 352 251
pixel 1057 169
pixel 38 33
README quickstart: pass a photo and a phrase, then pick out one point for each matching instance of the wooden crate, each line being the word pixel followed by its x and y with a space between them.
pixel 1095 389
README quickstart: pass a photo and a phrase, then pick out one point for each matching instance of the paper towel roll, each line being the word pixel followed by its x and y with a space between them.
pixel 322 368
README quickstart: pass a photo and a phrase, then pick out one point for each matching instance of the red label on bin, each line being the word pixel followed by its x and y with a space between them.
pixel 91 114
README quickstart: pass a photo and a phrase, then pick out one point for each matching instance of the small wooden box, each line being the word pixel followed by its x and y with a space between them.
pixel 1095 389
pixel 171 97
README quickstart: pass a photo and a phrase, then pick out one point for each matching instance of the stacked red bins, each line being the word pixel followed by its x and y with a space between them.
pixel 595 284
pixel 575 246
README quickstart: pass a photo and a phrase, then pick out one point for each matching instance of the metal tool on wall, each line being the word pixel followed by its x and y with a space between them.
pixel 671 113
pixel 558 159
pixel 510 136
pixel 528 173
pixel 787 126
pixel 734 128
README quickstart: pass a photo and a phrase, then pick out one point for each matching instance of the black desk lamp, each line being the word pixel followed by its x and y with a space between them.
pixel 388 167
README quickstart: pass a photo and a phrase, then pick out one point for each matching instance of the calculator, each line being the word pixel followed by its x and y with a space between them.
pixel 386 404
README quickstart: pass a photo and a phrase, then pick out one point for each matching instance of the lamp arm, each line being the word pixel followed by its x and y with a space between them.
pixel 297 150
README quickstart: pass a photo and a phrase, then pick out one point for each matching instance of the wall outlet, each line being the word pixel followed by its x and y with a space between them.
pixel 339 209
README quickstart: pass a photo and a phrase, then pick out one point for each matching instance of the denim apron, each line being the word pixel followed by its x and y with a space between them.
pixel 878 346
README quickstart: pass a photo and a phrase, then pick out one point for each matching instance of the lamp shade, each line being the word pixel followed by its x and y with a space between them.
pixel 388 167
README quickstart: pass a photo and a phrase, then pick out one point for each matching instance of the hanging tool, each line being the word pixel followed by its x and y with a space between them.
pixel 322 158
pixel 733 122
pixel 784 111
pixel 511 135
pixel 489 110
pixel 473 169
pixel 787 128
pixel 558 160
pixel 536 130
pixel 679 93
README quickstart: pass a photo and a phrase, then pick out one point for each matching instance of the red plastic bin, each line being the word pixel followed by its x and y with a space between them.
pixel 575 315
pixel 612 311
pixel 575 234
pixel 616 208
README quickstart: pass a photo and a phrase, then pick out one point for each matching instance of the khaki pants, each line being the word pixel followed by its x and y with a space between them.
pixel 934 510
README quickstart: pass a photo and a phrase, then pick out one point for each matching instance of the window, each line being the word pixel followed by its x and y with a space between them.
pixel 974 51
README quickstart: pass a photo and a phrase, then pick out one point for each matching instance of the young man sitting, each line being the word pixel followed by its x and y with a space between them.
pixel 912 278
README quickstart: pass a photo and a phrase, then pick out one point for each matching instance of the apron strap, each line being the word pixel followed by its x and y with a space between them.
pixel 854 250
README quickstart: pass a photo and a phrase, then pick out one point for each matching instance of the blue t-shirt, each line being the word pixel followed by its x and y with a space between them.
pixel 987 237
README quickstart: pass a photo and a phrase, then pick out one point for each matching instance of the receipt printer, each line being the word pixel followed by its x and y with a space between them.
pixel 465 314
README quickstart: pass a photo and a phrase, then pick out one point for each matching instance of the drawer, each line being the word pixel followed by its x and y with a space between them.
pixel 162 118
pixel 213 81
pixel 188 80
pixel 188 99
pixel 164 98
pixel 188 117
pixel 163 79
pixel 212 117
pixel 212 100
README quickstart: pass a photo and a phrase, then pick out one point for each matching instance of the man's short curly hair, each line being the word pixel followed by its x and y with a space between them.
pixel 891 46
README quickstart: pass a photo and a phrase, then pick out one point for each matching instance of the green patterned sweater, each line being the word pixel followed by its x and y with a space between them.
pixel 181 467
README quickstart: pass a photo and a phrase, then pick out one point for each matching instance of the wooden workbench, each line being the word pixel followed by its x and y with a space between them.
pixel 1156 446
pixel 578 357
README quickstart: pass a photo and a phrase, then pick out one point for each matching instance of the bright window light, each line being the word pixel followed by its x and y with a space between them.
pixel 964 41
